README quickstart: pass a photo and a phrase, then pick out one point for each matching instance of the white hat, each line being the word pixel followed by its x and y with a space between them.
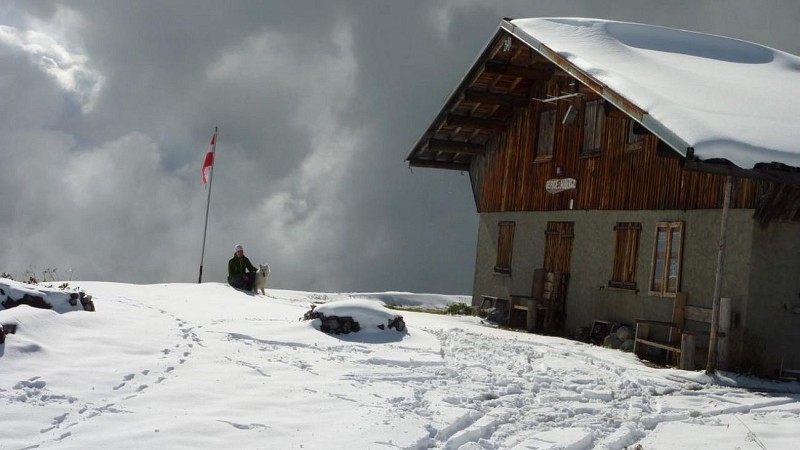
pixel 238 248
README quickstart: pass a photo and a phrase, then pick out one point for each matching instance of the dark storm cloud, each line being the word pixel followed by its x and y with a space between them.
pixel 318 103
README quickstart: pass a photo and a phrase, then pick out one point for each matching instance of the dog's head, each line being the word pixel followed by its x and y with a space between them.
pixel 263 268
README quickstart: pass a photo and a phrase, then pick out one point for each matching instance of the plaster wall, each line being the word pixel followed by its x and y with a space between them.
pixel 772 318
pixel 589 296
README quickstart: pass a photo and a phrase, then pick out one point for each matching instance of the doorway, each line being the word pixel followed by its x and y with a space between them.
pixel 558 246
pixel 554 278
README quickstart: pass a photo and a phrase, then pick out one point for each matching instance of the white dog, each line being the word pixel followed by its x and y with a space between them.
pixel 261 278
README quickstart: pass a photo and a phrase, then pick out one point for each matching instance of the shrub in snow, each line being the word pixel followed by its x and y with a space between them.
pixel 347 316
pixel 461 309
pixel 14 293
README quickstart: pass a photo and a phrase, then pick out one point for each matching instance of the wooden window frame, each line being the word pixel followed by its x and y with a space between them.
pixel 633 141
pixel 593 128
pixel 626 251
pixel 505 247
pixel 669 255
pixel 545 138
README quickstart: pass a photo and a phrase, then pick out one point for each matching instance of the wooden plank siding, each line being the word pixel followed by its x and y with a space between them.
pixel 506 178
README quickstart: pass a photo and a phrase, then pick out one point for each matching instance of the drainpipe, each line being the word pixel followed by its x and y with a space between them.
pixel 711 365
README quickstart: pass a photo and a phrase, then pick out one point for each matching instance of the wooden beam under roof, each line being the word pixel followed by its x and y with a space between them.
pixel 775 173
pixel 433 164
pixel 476 122
pixel 467 148
pixel 530 73
pixel 496 99
pixel 615 113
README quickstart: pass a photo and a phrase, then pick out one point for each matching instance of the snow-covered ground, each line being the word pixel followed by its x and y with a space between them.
pixel 205 366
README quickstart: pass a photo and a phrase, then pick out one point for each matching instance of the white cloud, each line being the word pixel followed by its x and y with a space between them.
pixel 71 70
pixel 109 211
pixel 322 85
pixel 317 106
pixel 302 215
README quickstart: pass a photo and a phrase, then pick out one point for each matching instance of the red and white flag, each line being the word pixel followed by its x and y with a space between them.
pixel 208 164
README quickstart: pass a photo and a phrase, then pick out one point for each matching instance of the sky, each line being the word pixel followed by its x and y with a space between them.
pixel 108 108
pixel 183 365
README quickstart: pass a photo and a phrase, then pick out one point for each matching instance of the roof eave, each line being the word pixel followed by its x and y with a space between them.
pixel 455 95
pixel 765 171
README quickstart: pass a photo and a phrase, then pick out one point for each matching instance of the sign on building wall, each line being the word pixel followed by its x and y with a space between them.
pixel 557 185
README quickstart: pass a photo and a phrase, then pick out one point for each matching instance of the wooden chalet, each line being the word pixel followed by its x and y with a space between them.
pixel 597 212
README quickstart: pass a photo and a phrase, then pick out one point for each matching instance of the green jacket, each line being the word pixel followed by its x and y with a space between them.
pixel 239 266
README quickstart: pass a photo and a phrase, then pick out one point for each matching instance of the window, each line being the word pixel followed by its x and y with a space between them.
pixel 593 120
pixel 665 280
pixel 635 138
pixel 546 136
pixel 505 244
pixel 626 249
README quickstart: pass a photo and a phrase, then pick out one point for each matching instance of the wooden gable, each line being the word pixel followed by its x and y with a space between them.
pixel 510 176
pixel 489 126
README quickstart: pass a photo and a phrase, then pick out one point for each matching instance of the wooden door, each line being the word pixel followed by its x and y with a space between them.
pixel 558 246
pixel 557 255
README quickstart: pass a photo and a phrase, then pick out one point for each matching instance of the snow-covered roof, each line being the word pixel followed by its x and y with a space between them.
pixel 718 97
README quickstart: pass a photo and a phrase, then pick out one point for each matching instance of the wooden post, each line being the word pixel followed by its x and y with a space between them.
pixel 532 315
pixel 723 335
pixel 687 351
pixel 678 317
pixel 537 288
pixel 642 331
pixel 711 365
pixel 510 318
pixel 537 292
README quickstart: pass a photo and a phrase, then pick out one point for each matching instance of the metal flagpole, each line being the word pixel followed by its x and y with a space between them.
pixel 208 203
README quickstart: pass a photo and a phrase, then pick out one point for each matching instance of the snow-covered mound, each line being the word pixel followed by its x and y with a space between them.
pixel 14 293
pixel 354 315
pixel 411 300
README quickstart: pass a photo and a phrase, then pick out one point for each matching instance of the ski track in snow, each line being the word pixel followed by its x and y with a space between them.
pixel 35 391
pixel 516 392
pixel 493 389
pixel 511 395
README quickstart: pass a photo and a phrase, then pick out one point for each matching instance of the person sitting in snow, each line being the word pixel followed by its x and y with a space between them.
pixel 241 273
